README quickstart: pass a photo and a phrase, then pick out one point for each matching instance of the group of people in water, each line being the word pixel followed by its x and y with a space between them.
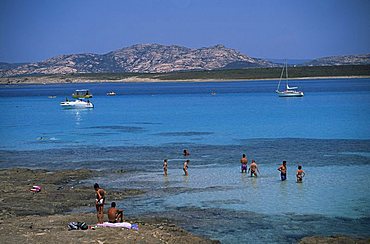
pixel 115 215
pixel 253 168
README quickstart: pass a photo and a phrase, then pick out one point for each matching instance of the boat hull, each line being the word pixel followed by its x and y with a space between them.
pixel 290 94
pixel 76 104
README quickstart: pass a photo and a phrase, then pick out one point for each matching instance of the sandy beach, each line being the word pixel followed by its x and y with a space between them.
pixel 42 217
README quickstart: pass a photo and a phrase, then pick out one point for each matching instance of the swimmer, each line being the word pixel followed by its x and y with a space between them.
pixel 165 165
pixel 283 170
pixel 186 153
pixel 253 168
pixel 244 162
pixel 186 165
pixel 300 174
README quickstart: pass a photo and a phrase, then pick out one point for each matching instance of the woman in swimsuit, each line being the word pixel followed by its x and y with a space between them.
pixel 99 202
pixel 186 167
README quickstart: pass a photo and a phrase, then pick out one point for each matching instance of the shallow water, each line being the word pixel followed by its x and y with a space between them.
pixel 326 131
pixel 157 114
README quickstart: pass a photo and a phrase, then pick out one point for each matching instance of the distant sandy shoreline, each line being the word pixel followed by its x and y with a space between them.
pixel 52 80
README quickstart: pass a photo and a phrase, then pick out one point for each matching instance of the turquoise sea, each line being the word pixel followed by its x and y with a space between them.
pixel 327 131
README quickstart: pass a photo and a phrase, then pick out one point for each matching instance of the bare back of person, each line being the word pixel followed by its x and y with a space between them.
pixel 115 215
pixel 253 168
pixel 244 162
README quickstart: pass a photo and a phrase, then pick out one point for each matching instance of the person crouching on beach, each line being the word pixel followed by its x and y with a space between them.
pixel 115 215
pixel 186 165
pixel 253 168
pixel 99 202
pixel 300 174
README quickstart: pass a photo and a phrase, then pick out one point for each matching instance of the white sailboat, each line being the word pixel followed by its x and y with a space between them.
pixel 289 91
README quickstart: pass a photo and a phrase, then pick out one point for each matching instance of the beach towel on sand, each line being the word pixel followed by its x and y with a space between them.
pixel 120 225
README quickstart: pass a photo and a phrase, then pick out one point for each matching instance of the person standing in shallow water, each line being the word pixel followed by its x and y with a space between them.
pixel 185 153
pixel 253 169
pixel 165 165
pixel 244 162
pixel 99 202
pixel 283 170
pixel 186 165
pixel 300 174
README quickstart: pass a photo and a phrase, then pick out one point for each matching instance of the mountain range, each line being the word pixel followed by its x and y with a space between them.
pixel 156 58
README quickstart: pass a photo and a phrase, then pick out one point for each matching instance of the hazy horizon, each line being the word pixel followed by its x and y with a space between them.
pixel 33 31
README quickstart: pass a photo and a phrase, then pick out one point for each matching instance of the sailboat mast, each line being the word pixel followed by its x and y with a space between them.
pixel 286 69
pixel 281 76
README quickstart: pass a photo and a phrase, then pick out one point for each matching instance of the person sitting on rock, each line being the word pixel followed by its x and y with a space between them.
pixel 115 215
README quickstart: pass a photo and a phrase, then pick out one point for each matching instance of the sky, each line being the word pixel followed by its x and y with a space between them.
pixel 34 30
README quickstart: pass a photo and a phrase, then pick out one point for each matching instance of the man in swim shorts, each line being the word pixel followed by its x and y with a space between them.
pixel 99 202
pixel 300 174
pixel 244 162
pixel 185 168
pixel 115 215
pixel 283 170
pixel 253 168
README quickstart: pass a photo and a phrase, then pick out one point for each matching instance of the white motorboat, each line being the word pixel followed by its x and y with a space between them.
pixel 289 91
pixel 78 103
pixel 112 93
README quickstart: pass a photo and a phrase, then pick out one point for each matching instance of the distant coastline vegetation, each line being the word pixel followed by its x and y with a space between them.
pixel 222 74
pixel 239 74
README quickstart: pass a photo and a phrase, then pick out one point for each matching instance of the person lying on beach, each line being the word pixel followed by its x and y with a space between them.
pixel 253 168
pixel 115 215
pixel 99 202
pixel 186 167
pixel 283 170
pixel 244 162
pixel 300 174
pixel 165 165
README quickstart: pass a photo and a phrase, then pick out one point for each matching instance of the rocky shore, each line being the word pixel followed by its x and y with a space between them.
pixel 28 217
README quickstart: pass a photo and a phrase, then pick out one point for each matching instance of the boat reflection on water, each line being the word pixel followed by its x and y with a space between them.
pixel 78 115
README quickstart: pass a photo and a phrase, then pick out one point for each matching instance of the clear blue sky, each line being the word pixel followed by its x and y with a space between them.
pixel 34 30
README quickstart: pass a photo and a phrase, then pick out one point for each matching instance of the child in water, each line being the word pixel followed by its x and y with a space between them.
pixel 300 174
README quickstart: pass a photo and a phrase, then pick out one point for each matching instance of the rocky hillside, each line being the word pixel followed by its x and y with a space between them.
pixel 7 66
pixel 143 58
pixel 340 60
